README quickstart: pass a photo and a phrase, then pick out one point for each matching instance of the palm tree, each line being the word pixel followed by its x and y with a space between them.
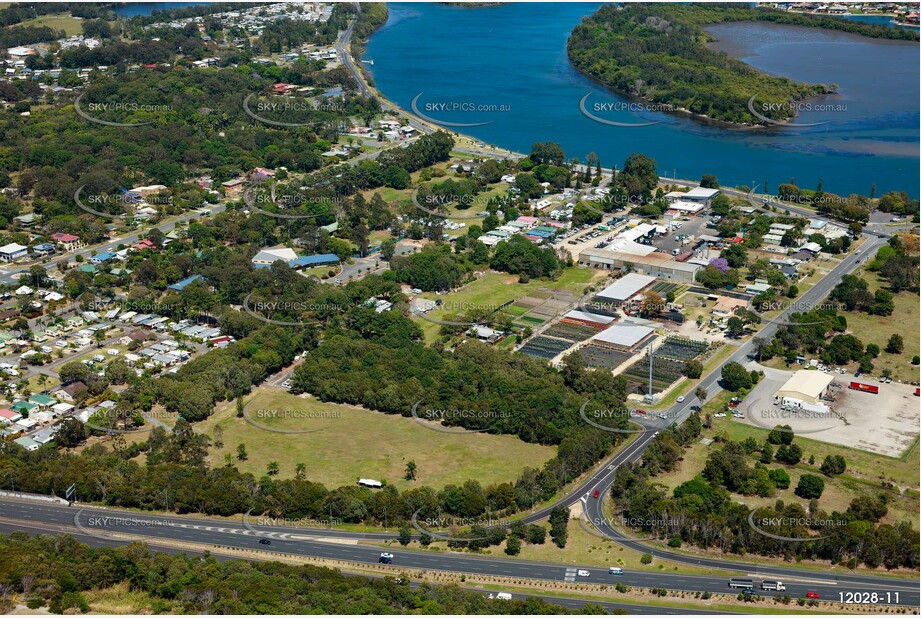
pixel 272 468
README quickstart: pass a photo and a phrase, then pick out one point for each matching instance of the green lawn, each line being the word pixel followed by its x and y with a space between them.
pixel 355 443
pixel 58 21
pixel 495 289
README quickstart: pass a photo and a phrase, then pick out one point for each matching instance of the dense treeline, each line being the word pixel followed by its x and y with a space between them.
pixel 701 512
pixel 658 52
pixel 19 12
pixel 60 573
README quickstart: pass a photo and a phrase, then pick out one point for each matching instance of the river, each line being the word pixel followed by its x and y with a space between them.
pixel 506 66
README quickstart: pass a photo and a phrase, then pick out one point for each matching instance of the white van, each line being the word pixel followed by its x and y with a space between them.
pixel 505 596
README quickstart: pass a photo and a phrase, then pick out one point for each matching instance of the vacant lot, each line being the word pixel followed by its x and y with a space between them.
pixel 60 21
pixel 354 443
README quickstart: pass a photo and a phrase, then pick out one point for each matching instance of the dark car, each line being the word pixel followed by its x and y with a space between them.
pixel 265 542
pixel 385 558
pixel 596 493
pixel 812 595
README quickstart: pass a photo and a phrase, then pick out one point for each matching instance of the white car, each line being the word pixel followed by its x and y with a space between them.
pixel 582 573
pixel 12 372
pixel 681 399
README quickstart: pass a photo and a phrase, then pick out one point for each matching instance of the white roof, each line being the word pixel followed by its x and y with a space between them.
pixel 626 335
pixel 685 206
pixel 626 286
pixel 272 255
pixel 702 193
pixel 12 248
pixel 589 317
pixel 809 383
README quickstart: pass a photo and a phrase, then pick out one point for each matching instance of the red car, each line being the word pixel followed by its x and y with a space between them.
pixel 596 493
pixel 812 595
pixel 638 411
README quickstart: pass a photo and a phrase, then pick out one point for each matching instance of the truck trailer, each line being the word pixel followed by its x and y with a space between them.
pixel 865 388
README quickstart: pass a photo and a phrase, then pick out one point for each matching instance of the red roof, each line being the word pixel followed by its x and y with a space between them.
pixel 9 414
pixel 61 237
pixel 144 244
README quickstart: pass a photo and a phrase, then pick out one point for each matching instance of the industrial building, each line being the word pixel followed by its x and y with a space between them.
pixel 623 336
pixel 806 386
pixel 625 288
pixel 655 264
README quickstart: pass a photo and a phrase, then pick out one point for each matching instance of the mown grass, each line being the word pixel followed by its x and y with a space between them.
pixel 355 443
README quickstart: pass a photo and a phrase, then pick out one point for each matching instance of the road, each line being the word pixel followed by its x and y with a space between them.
pixel 35 517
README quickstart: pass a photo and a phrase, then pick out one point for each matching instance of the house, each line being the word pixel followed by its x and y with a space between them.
pixel 27 443
pixel 67 242
pixel 760 286
pixel 12 252
pixel 7 416
pixel 45 248
pixel 42 401
pixel 484 333
pixel 145 244
pixel 69 392
pixel 103 257
pixel 24 407
pixel 234 187
pixel 145 192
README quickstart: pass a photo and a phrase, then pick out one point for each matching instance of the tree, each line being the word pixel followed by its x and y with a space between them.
pixel 693 369
pixel 810 486
pixel 735 328
pixel 652 304
pixel 780 478
pixel 241 452
pixel 405 536
pixel 272 468
pixel 735 377
pixel 709 181
pixel 833 465
pixel 410 474
pixel 895 345
pixel 559 522
pixel 701 393
pixel 388 248
pixel 513 546
pixel 767 453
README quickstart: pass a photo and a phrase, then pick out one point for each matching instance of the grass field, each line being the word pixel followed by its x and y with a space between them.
pixel 355 443
pixel 59 21
pixel 494 289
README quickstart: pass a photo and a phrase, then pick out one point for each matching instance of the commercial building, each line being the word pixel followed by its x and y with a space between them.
pixel 655 264
pixel 806 386
pixel 267 257
pixel 625 288
pixel 623 336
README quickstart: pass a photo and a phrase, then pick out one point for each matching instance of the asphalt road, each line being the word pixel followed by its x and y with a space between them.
pixel 99 523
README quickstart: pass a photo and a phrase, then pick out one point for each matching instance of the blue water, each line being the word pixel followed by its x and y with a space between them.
pixel 514 55
pixel 134 9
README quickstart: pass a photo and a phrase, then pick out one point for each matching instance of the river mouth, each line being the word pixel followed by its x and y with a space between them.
pixel 515 54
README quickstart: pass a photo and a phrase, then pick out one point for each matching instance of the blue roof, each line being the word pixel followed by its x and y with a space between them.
pixel 540 233
pixel 180 285
pixel 104 256
pixel 313 260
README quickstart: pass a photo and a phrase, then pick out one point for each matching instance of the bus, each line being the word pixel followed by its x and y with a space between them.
pixel 741 583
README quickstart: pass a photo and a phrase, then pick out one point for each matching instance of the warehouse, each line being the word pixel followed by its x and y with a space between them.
pixel 623 336
pixel 625 288
pixel 806 386
pixel 655 264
